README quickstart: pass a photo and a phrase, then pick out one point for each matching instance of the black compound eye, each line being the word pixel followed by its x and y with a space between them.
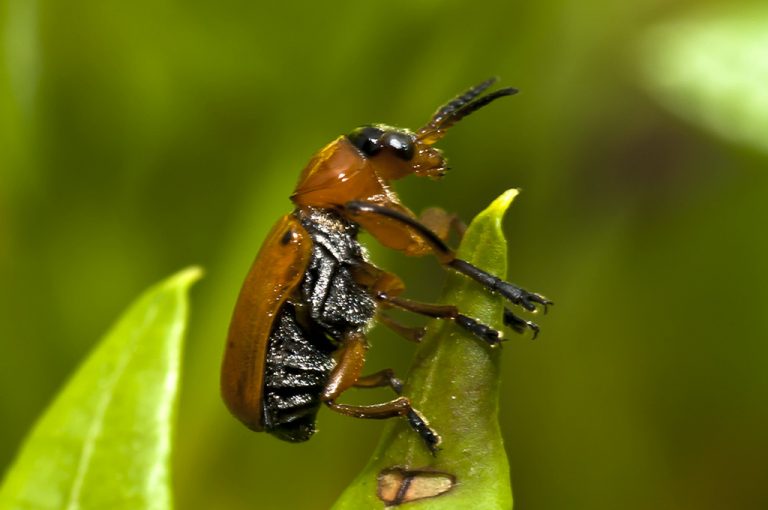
pixel 367 139
pixel 400 143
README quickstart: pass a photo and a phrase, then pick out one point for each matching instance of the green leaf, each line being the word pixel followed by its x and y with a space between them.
pixel 454 382
pixel 105 441
pixel 711 67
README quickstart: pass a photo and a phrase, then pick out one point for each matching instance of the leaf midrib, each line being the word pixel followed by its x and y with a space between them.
pixel 94 431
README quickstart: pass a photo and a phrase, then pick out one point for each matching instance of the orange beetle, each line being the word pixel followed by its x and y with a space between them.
pixel 297 336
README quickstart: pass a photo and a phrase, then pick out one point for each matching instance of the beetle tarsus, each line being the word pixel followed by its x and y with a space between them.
pixel 431 438
pixel 513 293
pixel 520 325
pixel 480 330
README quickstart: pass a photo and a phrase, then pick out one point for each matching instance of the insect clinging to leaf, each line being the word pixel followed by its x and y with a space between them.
pixel 297 338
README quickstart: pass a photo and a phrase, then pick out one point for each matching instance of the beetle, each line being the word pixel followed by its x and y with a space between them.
pixel 297 338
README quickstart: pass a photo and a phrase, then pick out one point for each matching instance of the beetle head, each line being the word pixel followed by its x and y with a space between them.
pixel 396 152
pixel 399 152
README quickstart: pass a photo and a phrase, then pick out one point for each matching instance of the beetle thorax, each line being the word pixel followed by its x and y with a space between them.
pixel 338 174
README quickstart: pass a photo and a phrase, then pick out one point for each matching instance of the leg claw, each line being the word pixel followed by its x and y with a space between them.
pixel 520 325
pixel 523 298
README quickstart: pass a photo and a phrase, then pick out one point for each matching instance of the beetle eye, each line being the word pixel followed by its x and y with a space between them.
pixel 400 143
pixel 367 139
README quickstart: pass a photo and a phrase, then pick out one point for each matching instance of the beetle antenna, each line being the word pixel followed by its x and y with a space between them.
pixel 457 102
pixel 458 108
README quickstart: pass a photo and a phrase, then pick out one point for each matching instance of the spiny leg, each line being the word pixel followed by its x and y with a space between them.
pixel 449 312
pixel 346 374
pixel 446 256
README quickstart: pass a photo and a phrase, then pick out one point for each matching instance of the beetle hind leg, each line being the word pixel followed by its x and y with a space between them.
pixel 382 378
pixel 400 406
pixel 431 439
pixel 346 374
pixel 415 419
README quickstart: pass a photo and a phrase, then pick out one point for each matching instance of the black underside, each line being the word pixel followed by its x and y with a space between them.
pixel 327 305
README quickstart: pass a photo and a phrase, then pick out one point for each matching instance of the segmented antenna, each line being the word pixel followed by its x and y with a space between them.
pixel 458 108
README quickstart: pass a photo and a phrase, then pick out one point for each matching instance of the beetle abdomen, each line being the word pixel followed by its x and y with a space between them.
pixel 297 367
pixel 332 304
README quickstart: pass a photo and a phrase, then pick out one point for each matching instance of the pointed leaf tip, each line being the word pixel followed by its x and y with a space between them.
pixel 504 200
pixel 185 277
pixel 105 441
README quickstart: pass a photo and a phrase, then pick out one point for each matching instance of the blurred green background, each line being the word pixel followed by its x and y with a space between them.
pixel 140 137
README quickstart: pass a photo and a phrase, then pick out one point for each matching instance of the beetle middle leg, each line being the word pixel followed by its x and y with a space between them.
pixel 346 374
pixel 449 312
pixel 387 287
pixel 412 334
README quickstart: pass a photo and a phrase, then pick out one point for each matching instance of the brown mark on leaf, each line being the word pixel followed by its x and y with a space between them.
pixel 399 485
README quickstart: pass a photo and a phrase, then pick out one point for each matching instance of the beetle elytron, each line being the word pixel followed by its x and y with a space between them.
pixel 297 336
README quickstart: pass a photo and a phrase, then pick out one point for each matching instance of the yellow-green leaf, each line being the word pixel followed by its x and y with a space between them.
pixel 711 67
pixel 454 382
pixel 105 441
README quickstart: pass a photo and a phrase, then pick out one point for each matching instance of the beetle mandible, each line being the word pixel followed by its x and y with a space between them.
pixel 297 338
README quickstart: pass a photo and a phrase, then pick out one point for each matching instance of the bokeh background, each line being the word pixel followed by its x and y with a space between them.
pixel 139 137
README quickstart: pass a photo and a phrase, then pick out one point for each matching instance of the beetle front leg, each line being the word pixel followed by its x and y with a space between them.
pixel 446 256
pixel 513 293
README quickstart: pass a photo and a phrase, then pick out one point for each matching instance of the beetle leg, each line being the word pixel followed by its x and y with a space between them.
pixel 349 366
pixel 380 379
pixel 449 312
pixel 412 334
pixel 447 257
pixel 346 374
pixel 400 406
pixel 511 292
pixel 378 281
pixel 519 325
